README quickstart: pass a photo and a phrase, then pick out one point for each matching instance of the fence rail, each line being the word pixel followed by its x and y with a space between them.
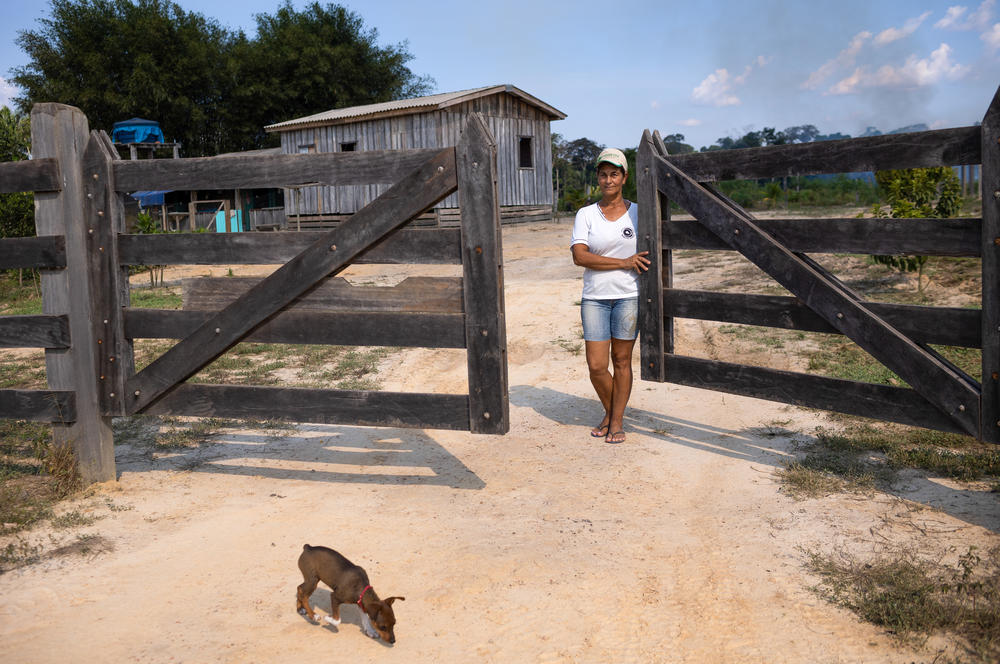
pixel 88 326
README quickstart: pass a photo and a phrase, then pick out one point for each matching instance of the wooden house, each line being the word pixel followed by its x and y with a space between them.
pixel 519 123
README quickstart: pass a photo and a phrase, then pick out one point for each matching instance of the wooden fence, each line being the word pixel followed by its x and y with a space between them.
pixel 87 327
pixel 940 396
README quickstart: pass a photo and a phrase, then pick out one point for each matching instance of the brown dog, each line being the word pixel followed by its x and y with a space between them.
pixel 349 585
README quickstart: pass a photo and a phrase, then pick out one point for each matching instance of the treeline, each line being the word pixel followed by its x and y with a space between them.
pixel 575 175
pixel 212 89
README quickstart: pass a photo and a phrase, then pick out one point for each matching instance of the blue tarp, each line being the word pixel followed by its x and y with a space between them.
pixel 149 198
pixel 137 130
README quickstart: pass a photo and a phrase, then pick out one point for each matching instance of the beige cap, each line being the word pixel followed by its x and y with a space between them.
pixel 615 157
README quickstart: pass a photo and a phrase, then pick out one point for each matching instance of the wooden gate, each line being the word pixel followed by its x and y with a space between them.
pixel 88 327
pixel 940 395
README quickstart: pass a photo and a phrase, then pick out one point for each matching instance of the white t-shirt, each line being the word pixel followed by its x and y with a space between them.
pixel 614 238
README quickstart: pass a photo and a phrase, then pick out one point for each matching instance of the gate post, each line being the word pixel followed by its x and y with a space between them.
pixel 61 132
pixel 482 270
pixel 989 177
pixel 651 343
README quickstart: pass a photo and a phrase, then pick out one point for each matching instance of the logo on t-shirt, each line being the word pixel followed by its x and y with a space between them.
pixel 627 233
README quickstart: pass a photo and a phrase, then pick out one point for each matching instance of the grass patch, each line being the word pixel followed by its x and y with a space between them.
pixel 863 456
pixel 155 298
pixel 19 298
pixel 22 373
pixel 911 598
pixel 34 474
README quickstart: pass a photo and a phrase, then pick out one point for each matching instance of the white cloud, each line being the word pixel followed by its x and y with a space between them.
pixel 845 58
pixel 951 17
pixel 992 37
pixel 977 20
pixel 715 90
pixel 890 35
pixel 983 15
pixel 914 73
pixel 690 122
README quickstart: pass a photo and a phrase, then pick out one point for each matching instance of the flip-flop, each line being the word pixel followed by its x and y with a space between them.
pixel 610 438
pixel 596 431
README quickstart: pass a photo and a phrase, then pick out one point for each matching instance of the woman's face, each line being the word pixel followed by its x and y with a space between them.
pixel 610 179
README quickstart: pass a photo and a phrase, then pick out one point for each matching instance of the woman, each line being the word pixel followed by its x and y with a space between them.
pixel 604 245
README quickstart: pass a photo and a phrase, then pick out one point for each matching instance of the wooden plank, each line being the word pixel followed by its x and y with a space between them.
pixel 925 237
pixel 667 264
pixel 331 253
pixel 259 171
pixel 60 132
pixel 34 332
pixel 29 175
pixel 990 182
pixel 651 319
pixel 482 268
pixel 56 406
pixel 882 402
pixel 413 294
pixel 380 409
pixel 948 326
pixel 930 375
pixel 47 252
pixel 941 147
pixel 421 330
pixel 407 245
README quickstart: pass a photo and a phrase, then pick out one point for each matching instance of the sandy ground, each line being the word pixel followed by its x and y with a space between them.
pixel 544 545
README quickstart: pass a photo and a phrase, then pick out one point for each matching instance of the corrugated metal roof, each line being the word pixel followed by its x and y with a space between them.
pixel 416 104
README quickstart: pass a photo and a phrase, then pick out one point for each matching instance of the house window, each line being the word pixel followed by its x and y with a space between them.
pixel 525 157
pixel 349 147
pixel 307 149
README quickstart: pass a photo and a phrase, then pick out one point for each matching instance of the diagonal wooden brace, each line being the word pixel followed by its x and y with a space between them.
pixel 408 198
pixel 951 391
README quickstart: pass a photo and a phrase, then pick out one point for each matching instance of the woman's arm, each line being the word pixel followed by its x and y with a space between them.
pixel 583 257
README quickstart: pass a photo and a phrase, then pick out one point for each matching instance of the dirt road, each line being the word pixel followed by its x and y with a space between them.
pixel 544 545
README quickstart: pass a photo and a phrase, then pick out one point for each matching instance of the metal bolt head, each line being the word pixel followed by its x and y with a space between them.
pixel 440 169
pixel 840 315
pixel 137 393
pixel 333 247
pixel 218 330
pixel 961 408
pixel 486 416
pixel 113 396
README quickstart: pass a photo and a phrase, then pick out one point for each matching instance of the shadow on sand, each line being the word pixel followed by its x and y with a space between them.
pixel 320 453
pixel 760 445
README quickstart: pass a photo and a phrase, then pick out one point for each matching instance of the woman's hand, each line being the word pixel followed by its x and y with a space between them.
pixel 583 257
pixel 637 262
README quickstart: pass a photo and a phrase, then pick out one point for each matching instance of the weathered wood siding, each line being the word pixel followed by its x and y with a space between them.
pixel 508 118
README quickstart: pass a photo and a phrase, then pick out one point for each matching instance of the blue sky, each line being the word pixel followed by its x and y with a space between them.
pixel 708 69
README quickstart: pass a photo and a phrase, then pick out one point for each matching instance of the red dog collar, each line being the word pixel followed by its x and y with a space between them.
pixel 367 588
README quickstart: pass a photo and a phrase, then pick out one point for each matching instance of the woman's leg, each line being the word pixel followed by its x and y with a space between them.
pixel 597 361
pixel 621 381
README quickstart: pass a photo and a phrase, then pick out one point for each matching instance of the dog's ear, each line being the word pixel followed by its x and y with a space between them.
pixel 390 600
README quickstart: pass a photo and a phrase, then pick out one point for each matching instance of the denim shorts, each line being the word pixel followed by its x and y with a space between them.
pixel 606 319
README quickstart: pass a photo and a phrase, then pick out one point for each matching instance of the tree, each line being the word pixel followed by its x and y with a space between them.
pixel 675 144
pixel 17 210
pixel 211 89
pixel 917 193
pixel 323 58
